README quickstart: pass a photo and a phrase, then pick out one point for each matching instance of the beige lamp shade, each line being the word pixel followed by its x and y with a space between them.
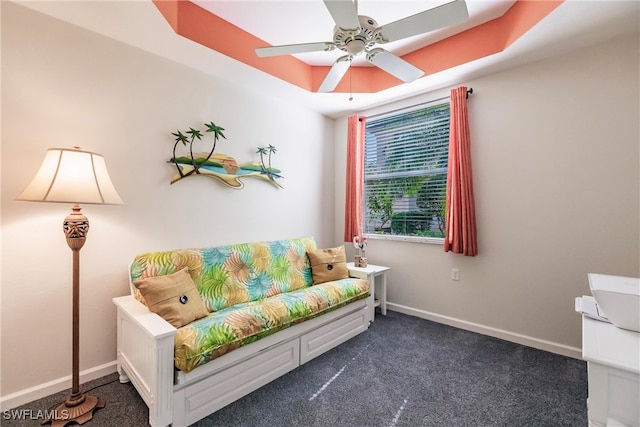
pixel 72 176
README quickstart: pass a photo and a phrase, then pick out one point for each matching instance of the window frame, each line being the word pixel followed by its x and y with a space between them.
pixel 398 237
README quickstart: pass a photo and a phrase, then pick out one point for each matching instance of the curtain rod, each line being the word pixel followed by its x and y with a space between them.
pixel 469 92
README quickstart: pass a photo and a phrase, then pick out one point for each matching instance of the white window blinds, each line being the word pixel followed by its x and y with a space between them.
pixel 406 172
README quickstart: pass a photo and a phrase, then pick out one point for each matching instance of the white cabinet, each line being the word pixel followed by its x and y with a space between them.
pixel 613 363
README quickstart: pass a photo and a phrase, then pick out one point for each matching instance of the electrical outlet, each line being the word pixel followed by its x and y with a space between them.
pixel 455 274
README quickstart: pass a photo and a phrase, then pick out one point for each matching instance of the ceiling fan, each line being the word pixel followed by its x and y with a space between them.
pixel 356 34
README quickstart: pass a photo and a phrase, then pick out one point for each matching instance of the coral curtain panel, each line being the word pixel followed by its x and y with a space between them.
pixel 460 225
pixel 355 178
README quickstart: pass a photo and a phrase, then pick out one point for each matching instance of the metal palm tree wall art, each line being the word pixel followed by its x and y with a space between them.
pixel 220 166
pixel 267 169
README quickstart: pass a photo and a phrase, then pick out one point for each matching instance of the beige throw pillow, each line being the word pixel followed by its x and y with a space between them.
pixel 174 297
pixel 328 264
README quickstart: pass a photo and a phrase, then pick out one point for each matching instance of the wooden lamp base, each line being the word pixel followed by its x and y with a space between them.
pixel 360 261
pixel 77 411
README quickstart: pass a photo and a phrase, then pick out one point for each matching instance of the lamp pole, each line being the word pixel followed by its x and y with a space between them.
pixel 78 407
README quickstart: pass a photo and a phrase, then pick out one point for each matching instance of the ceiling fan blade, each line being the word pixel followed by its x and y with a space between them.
pixel 423 22
pixel 336 73
pixel 344 13
pixel 290 49
pixel 394 65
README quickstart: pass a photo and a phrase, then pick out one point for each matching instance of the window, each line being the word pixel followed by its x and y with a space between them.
pixel 405 173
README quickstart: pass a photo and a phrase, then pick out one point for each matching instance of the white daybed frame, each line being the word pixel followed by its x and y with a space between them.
pixel 145 357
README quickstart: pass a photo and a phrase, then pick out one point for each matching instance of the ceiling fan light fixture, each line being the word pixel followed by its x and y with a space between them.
pixel 355 47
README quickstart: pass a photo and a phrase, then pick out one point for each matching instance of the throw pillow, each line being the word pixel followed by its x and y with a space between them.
pixel 174 297
pixel 328 264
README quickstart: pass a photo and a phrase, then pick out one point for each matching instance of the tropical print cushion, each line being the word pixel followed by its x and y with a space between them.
pixel 203 340
pixel 234 274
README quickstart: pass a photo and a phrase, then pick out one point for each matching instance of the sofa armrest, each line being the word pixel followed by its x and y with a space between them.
pixel 145 353
pixel 152 324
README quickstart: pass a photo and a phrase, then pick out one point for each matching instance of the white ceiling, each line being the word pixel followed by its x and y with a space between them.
pixel 574 24
pixel 305 21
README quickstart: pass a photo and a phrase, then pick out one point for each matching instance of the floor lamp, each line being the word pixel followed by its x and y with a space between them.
pixel 73 176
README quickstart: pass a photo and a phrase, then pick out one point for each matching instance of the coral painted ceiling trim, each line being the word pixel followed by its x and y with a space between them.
pixel 197 24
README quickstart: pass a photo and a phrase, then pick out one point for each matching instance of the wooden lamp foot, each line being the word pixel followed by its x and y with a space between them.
pixel 78 410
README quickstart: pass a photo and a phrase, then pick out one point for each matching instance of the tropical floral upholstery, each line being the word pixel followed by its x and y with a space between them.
pixel 234 274
pixel 252 290
pixel 220 332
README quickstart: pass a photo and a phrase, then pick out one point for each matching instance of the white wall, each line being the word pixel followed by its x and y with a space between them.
pixel 64 86
pixel 555 149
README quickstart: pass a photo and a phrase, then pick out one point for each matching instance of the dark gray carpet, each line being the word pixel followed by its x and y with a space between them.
pixel 404 371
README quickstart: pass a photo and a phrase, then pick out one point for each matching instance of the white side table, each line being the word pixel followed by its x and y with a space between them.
pixel 370 273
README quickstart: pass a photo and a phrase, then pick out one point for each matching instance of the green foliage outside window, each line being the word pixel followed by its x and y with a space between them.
pixel 406 158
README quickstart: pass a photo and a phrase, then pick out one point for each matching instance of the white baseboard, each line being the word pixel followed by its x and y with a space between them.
pixel 30 394
pixel 552 347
